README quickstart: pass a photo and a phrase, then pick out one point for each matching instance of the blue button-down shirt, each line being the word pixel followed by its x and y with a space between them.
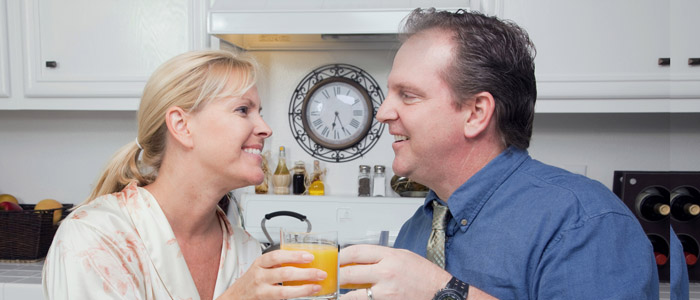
pixel 680 287
pixel 520 229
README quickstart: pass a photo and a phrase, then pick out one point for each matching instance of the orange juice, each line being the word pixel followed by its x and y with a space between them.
pixel 325 259
pixel 355 286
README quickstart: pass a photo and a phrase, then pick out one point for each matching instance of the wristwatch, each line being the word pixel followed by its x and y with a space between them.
pixel 455 290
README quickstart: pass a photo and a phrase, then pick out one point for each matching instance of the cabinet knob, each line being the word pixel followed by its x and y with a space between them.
pixel 665 61
pixel 51 64
pixel 694 61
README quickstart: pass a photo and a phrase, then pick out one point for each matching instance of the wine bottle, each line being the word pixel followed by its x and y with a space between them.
pixel 660 247
pixel 690 249
pixel 685 204
pixel 281 178
pixel 652 205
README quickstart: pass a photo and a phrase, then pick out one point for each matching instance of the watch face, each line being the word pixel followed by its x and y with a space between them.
pixel 448 294
pixel 337 113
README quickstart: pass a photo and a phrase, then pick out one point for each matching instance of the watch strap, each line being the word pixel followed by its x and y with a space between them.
pixel 458 285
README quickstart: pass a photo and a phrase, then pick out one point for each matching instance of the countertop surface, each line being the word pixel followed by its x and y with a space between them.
pixel 22 281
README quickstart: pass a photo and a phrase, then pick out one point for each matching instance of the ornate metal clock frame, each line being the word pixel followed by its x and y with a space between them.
pixel 306 87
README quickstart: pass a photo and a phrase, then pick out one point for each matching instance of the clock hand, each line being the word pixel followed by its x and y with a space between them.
pixel 341 124
pixel 336 118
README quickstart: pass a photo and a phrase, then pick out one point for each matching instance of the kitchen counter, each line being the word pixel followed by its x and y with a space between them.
pixel 23 282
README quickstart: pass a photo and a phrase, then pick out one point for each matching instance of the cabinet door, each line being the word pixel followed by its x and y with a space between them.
pixel 597 49
pixel 685 45
pixel 85 48
pixel 4 60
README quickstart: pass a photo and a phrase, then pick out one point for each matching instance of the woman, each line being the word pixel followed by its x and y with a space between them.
pixel 151 229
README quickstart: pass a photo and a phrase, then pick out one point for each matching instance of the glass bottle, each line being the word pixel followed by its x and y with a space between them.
pixel 264 186
pixel 317 188
pixel 363 182
pixel 299 178
pixel 281 178
pixel 379 182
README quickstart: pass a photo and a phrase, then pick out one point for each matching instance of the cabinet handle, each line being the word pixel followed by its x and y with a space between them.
pixel 664 61
pixel 694 61
pixel 51 64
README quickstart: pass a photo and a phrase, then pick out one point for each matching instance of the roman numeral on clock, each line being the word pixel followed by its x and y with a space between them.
pixel 336 90
pixel 317 123
pixel 326 93
pixel 325 131
pixel 357 113
pixel 355 123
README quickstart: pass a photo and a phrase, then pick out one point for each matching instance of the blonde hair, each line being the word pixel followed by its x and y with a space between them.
pixel 190 81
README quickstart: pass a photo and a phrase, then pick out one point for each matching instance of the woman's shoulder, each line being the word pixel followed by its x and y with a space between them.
pixel 103 214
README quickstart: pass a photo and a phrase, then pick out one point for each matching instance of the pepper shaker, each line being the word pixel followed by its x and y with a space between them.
pixel 363 182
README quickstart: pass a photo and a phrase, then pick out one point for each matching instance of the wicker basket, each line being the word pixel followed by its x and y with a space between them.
pixel 27 234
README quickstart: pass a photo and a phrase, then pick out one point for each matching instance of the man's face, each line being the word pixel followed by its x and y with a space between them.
pixel 419 109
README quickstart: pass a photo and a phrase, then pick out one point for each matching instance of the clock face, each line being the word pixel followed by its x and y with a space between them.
pixel 337 113
pixel 331 113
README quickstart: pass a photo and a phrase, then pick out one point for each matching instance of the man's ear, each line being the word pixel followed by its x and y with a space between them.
pixel 479 114
pixel 177 121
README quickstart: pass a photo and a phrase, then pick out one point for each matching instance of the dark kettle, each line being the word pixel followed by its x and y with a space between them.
pixel 271 215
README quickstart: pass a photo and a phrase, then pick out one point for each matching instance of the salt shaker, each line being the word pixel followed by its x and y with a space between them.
pixel 363 182
pixel 379 182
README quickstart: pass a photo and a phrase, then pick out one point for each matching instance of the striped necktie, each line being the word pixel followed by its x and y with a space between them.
pixel 436 242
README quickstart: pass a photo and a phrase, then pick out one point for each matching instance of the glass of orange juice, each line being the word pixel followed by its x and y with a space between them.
pixel 355 286
pixel 324 247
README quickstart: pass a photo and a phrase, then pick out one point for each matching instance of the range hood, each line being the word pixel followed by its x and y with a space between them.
pixel 320 24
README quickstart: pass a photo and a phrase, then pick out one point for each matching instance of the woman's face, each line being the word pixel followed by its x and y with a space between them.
pixel 229 135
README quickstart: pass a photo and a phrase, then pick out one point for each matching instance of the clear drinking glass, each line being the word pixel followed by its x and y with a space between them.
pixel 383 241
pixel 324 247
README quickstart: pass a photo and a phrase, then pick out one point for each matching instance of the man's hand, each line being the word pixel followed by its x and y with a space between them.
pixel 393 273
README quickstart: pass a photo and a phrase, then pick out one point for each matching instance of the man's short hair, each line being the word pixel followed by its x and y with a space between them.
pixel 491 55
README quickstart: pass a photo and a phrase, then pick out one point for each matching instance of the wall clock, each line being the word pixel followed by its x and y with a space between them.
pixel 331 113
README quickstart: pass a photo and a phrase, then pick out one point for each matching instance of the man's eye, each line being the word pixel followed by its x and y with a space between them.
pixel 408 98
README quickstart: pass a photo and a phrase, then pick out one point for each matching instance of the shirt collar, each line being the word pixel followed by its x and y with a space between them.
pixel 467 200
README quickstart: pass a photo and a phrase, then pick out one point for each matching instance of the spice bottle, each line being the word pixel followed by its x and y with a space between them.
pixel 363 182
pixel 281 178
pixel 299 178
pixel 379 182
pixel 317 188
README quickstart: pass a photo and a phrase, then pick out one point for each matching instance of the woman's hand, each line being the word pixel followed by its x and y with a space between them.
pixel 260 282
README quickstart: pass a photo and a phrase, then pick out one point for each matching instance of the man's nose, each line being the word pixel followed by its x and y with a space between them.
pixel 387 111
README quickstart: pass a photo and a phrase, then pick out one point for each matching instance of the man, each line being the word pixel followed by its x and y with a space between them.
pixel 460 103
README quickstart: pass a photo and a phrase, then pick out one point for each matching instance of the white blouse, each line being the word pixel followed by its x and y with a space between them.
pixel 121 246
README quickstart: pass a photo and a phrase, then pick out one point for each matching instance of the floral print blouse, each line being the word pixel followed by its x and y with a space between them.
pixel 121 246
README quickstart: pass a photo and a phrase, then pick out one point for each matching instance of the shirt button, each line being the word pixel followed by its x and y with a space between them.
pixel 464 222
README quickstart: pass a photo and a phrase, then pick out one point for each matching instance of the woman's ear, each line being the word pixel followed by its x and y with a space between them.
pixel 479 114
pixel 177 121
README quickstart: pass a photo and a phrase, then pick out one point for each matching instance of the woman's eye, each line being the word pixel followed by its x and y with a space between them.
pixel 242 109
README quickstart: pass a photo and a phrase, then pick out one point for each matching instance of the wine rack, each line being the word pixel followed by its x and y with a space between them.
pixel 660 200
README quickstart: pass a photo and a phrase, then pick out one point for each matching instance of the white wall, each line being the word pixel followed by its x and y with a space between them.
pixel 58 154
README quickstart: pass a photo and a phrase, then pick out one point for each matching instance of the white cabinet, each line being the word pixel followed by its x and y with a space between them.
pixel 83 48
pixel 4 55
pixel 598 56
pixel 685 46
